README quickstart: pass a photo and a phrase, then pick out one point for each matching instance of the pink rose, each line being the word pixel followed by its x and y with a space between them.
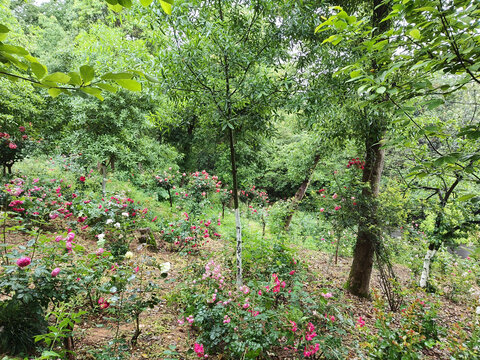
pixel 24 261
pixel 55 272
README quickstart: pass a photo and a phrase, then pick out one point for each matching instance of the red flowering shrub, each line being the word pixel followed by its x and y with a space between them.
pixel 188 234
pixel 13 146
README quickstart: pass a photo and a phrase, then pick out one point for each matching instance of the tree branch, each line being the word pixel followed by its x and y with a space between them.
pixel 453 43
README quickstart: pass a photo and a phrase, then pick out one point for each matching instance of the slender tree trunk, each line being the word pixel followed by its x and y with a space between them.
pixel 434 245
pixel 238 225
pixel 112 162
pixel 104 178
pixel 69 345
pixel 337 247
pixel 170 197
pixel 301 193
pixel 426 267
pixel 228 113
pixel 264 224
pixel 368 232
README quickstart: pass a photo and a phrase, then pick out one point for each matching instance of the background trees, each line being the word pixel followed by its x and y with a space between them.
pixel 222 59
pixel 248 91
pixel 437 39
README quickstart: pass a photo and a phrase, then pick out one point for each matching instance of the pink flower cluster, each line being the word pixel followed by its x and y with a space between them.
pixel 311 350
pixel 360 322
pixel 198 348
pixel 278 284
pixel 214 271
pixel 310 333
pixel 327 295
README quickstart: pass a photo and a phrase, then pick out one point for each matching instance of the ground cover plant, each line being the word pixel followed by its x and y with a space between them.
pixel 75 272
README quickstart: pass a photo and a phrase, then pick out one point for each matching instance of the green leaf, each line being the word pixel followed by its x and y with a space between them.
pixel 75 78
pixel 432 128
pixel 381 89
pixel 334 39
pixel 116 76
pixel 130 84
pixel 151 79
pixel 54 92
pixel 355 73
pixel 167 6
pixel 432 104
pixel 93 91
pixel 447 159
pixel 340 25
pixel 12 49
pixel 125 3
pixel 466 197
pixel 317 29
pixel 425 8
pixel 146 2
pixel 87 73
pixel 14 61
pixel 112 2
pixel 351 19
pixel 58 77
pixel 108 87
pixel 3 32
pixel 39 70
pixel 117 8
pixel 415 33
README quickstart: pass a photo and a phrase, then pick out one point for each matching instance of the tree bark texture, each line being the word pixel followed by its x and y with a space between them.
pixel 368 233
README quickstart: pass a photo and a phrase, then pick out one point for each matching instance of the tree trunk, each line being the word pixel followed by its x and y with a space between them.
pixel 170 196
pixel 368 236
pixel 426 267
pixel 69 345
pixel 112 162
pixel 238 225
pixel 301 193
pixel 434 245
pixel 104 178
pixel 368 233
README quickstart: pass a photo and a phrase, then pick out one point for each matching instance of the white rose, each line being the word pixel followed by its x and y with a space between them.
pixel 125 214
pixel 128 255
pixel 117 225
pixel 165 267
pixel 109 221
